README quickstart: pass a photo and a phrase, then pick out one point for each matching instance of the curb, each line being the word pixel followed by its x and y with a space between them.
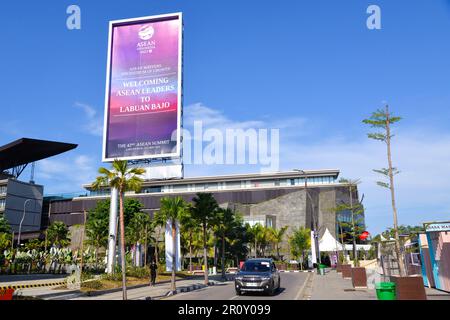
pixel 192 287
pixel 36 285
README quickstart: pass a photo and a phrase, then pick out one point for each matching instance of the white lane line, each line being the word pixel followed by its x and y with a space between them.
pixel 302 287
pixel 233 298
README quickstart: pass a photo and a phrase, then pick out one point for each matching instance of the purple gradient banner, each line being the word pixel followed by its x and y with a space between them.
pixel 143 98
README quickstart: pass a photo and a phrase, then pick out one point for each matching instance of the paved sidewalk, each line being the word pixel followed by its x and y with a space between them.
pixel 434 294
pixel 157 292
pixel 332 286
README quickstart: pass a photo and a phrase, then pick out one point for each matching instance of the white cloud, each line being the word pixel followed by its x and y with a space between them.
pixel 65 173
pixel 94 122
pixel 421 154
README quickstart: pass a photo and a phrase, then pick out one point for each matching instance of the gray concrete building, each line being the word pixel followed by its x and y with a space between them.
pixel 272 199
pixel 19 200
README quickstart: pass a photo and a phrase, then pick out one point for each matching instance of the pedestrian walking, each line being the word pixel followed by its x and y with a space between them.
pixel 153 268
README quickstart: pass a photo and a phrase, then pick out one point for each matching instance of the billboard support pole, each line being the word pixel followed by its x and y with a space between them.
pixel 112 231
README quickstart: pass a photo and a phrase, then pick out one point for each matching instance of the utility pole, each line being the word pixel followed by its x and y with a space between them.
pixel 313 219
pixel 20 225
pixel 82 242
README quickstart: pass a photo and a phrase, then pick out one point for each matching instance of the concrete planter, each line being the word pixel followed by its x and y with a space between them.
pixel 346 271
pixel 339 268
pixel 409 288
pixel 359 277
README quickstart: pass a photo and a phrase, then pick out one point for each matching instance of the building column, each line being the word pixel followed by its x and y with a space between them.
pixel 112 231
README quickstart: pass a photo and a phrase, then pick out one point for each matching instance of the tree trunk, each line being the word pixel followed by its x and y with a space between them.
pixel 278 252
pixel 190 251
pixel 122 247
pixel 174 250
pixel 355 257
pixel 145 248
pixel 223 257
pixel 256 246
pixel 205 254
pixel 391 187
pixel 156 251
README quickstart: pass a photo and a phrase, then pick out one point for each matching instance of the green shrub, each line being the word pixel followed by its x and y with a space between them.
pixel 93 284
pixel 138 272
pixel 116 276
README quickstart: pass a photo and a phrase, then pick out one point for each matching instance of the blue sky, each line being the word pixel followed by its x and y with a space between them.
pixel 310 68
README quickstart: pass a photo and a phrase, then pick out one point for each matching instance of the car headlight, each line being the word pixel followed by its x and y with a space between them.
pixel 239 278
pixel 265 278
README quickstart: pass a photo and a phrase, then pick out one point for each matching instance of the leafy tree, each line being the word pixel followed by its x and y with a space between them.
pixel 5 241
pixel 97 233
pixel 139 229
pixel 300 242
pixel 58 234
pixel 173 209
pixel 34 244
pixel 204 212
pixel 123 178
pixel 4 225
pixel 383 119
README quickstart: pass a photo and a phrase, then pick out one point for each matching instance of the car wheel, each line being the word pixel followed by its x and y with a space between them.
pixel 238 292
pixel 272 289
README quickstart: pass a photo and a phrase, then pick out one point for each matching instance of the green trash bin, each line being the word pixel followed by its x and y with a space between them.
pixel 385 291
pixel 322 269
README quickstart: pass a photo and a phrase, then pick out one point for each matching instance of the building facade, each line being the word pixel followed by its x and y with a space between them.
pixel 19 200
pixel 276 199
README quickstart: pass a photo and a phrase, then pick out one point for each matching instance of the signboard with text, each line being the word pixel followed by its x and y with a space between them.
pixel 143 88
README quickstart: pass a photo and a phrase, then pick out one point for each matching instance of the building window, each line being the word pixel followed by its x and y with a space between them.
pixel 151 189
pixel 2 190
pixel 2 204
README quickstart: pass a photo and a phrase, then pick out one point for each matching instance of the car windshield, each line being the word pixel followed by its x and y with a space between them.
pixel 256 266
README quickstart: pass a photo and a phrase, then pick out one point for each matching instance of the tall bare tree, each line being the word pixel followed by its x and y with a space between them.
pixel 383 119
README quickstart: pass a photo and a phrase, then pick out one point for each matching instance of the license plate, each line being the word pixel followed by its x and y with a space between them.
pixel 252 284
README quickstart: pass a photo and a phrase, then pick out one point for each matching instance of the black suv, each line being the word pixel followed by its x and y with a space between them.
pixel 257 275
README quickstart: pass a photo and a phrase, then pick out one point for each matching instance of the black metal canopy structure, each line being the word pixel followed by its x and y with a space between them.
pixel 16 155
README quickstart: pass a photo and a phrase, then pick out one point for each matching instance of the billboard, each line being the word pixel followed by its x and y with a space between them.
pixel 143 88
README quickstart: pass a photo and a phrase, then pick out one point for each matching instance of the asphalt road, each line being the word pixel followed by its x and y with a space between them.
pixel 292 286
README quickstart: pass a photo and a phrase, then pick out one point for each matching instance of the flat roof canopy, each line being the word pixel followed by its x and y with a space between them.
pixel 25 150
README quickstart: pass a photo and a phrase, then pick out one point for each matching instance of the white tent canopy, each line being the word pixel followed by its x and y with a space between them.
pixel 328 243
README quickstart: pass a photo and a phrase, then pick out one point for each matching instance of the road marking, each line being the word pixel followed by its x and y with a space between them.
pixel 303 287
pixel 233 298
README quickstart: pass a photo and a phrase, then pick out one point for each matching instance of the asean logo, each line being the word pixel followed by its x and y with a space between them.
pixel 146 32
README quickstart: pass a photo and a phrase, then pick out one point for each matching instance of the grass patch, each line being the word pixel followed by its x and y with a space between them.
pixel 108 283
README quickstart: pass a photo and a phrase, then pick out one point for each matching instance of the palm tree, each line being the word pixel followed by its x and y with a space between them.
pixel 123 178
pixel 300 242
pixel 204 211
pixel 223 224
pixel 256 232
pixel 277 236
pixel 189 228
pixel 173 209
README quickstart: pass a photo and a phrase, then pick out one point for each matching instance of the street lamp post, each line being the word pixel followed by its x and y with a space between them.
pixel 21 221
pixel 313 219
